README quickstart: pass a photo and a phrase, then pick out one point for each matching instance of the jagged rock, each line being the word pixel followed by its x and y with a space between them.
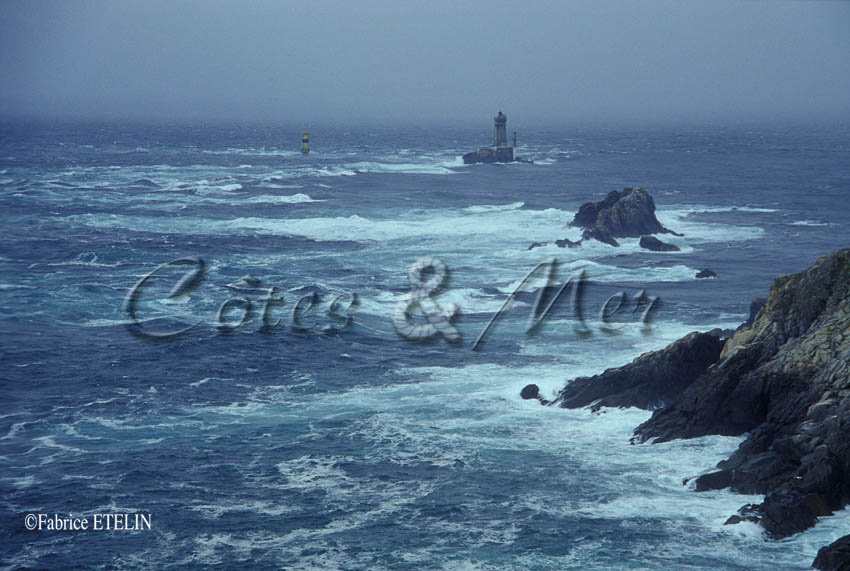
pixel 834 557
pixel 532 391
pixel 599 233
pixel 656 245
pixel 723 334
pixel 702 274
pixel 755 306
pixel 786 381
pixel 714 481
pixel 630 213
pixel 650 381
pixel 566 242
pixel 746 513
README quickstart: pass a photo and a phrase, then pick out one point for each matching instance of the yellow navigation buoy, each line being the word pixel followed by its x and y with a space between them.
pixel 305 143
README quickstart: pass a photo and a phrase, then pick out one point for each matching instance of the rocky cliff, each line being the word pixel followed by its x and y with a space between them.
pixel 784 379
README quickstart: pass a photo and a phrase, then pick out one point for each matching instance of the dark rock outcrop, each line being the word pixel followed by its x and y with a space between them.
pixel 601 234
pixel 490 155
pixel 532 391
pixel 656 245
pixel 784 379
pixel 567 243
pixel 834 557
pixel 702 274
pixel 650 381
pixel 630 213
pixel 529 392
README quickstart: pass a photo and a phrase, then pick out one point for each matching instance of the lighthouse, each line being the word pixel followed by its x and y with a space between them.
pixel 500 152
pixel 500 136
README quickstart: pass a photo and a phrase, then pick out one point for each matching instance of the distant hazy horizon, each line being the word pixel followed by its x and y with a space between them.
pixel 335 63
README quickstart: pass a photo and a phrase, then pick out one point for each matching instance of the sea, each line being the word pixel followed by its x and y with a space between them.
pixel 245 357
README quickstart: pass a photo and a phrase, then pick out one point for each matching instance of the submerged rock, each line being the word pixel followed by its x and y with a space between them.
pixel 567 243
pixel 702 274
pixel 630 213
pixel 656 245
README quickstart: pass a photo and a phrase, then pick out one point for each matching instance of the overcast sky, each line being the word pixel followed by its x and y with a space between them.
pixel 315 61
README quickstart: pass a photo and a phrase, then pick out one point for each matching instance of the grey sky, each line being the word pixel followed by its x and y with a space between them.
pixel 355 61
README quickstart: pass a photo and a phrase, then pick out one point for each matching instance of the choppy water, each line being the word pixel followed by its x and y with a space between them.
pixel 359 449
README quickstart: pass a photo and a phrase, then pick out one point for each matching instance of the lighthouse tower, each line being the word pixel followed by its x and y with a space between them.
pixel 500 136
pixel 500 152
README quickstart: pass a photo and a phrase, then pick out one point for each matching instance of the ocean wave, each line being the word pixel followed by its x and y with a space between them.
pixel 105 322
pixel 704 208
pixel 402 168
pixel 704 232
pixel 90 259
pixel 499 225
pixel 506 229
pixel 204 186
pixel 297 198
pixel 494 207
pixel 606 273
pixel 13 287
pixel 469 301
pixel 254 152
pixel 812 223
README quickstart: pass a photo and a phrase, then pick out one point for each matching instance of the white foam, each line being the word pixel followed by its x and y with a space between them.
pixel 699 232
pixel 24 482
pixel 813 223
pixel 705 208
pixel 457 161
pixel 594 271
pixel 14 430
pixel 254 152
pixel 517 226
pixel 215 511
pixel 468 300
pixel 103 322
pixel 405 168
pixel 12 287
pixel 494 207
pixel 230 187
pixel 86 259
